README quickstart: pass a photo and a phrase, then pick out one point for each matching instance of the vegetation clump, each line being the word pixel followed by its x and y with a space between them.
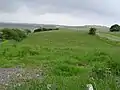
pixel 92 31
pixel 115 28
pixel 12 34
pixel 45 29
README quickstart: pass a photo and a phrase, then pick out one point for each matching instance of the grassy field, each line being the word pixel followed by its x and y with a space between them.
pixel 69 59
pixel 114 33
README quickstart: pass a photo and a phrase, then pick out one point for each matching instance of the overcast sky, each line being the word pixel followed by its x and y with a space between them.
pixel 65 12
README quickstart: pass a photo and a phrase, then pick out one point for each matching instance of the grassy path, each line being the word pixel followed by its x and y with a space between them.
pixel 109 36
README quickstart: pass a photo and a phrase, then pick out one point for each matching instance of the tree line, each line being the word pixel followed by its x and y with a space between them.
pixel 45 29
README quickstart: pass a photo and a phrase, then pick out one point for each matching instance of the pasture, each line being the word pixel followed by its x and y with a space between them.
pixel 68 59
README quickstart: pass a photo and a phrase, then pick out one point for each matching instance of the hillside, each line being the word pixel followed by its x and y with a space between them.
pixel 67 59
pixel 24 25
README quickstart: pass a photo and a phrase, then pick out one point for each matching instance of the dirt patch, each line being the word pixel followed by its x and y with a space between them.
pixel 8 75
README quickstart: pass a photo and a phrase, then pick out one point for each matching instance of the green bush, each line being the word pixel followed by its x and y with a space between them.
pixel 45 29
pixel 9 34
pixel 13 34
pixel 37 30
pixel 115 27
pixel 20 33
pixel 92 31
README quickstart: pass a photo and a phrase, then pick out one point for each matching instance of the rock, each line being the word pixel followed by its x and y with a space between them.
pixel 89 87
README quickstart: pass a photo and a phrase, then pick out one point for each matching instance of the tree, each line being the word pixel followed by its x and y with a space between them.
pixel 56 28
pixel 92 31
pixel 115 27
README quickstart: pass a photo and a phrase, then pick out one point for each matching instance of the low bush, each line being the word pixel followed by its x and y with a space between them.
pixel 13 34
pixel 37 30
pixel 45 29
pixel 92 31
pixel 20 34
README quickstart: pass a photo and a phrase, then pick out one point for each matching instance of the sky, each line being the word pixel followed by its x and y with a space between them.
pixel 62 12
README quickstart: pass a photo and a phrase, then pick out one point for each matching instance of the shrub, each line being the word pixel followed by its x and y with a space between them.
pixel 115 27
pixel 13 34
pixel 92 31
pixel 9 34
pixel 20 33
pixel 37 30
pixel 56 28
pixel 50 29
pixel 45 29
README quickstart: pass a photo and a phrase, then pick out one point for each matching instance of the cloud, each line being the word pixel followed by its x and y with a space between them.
pixel 8 6
pixel 71 12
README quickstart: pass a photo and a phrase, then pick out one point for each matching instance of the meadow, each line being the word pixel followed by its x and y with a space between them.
pixel 115 33
pixel 68 59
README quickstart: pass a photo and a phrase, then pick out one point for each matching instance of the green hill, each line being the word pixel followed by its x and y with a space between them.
pixel 69 59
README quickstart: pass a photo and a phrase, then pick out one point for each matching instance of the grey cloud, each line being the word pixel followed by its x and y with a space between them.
pixel 105 7
pixel 82 8
pixel 9 6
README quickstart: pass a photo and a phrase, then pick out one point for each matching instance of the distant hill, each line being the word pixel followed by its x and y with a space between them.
pixel 87 27
pixel 33 26
pixel 24 25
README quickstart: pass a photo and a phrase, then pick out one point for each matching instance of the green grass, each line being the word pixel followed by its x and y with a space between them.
pixel 114 33
pixel 67 57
